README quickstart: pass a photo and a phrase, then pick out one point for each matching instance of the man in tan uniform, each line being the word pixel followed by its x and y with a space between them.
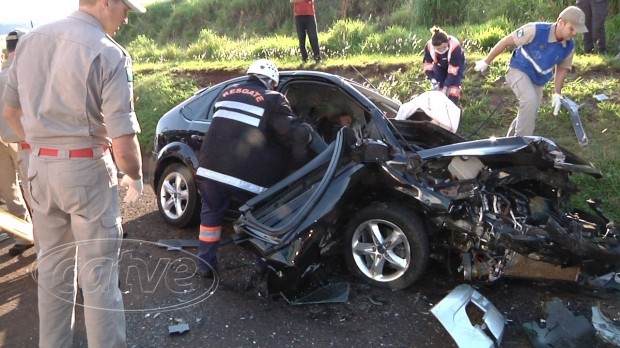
pixel 73 84
pixel 10 161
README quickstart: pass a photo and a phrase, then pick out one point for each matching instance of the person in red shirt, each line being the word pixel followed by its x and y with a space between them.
pixel 305 23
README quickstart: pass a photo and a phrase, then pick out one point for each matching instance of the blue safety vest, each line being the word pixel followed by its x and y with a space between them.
pixel 538 58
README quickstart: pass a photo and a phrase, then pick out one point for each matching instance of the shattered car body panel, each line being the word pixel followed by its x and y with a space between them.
pixel 533 150
pixel 490 201
pixel 513 202
pixel 452 313
pixel 573 111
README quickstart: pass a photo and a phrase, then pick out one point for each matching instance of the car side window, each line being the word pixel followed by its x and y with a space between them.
pixel 326 107
pixel 200 108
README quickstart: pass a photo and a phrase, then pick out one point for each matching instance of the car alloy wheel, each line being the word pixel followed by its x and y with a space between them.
pixel 177 196
pixel 387 246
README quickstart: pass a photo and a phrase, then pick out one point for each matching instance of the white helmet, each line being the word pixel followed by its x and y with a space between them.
pixel 266 68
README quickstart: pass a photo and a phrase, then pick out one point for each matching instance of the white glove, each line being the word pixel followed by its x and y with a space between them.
pixel 556 103
pixel 481 66
pixel 434 85
pixel 134 189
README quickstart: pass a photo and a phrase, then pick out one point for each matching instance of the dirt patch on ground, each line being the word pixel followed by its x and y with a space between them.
pixel 204 78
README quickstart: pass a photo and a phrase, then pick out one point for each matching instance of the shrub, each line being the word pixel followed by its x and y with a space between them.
pixel 521 12
pixel 171 53
pixel 395 40
pixel 275 47
pixel 143 49
pixel 485 36
pixel 612 30
pixel 437 12
pixel 346 37
pixel 155 94
pixel 402 17
pixel 209 46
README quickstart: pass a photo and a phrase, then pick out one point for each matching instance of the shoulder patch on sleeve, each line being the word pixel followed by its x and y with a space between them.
pixel 129 74
pixel 520 32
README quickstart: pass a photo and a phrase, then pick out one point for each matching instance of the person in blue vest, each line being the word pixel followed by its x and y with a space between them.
pixel 444 64
pixel 542 49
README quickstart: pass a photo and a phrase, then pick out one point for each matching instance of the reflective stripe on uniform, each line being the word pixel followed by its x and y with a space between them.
pixel 240 112
pixel 237 116
pixel 454 91
pixel 229 180
pixel 252 109
pixel 534 64
pixel 210 234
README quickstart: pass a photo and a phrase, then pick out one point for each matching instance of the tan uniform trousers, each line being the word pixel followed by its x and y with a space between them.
pixel 9 184
pixel 530 98
pixel 23 159
pixel 78 233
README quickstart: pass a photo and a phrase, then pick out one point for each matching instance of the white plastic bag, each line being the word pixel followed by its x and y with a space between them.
pixel 435 105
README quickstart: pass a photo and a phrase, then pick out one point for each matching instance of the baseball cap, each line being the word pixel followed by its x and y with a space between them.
pixel 575 16
pixel 15 35
pixel 135 6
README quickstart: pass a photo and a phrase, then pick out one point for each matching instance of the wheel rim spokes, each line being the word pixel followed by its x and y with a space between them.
pixel 174 195
pixel 381 250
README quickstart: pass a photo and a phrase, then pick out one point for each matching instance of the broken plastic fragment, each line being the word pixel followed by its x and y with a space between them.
pixel 610 281
pixel 604 327
pixel 330 293
pixel 378 300
pixel 452 313
pixel 178 329
pixel 562 329
pixel 601 97
pixel 177 244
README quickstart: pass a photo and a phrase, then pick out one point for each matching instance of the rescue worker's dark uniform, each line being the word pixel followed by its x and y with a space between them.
pixel 447 68
pixel 252 143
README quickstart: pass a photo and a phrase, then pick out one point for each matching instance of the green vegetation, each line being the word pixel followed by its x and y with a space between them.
pixel 182 45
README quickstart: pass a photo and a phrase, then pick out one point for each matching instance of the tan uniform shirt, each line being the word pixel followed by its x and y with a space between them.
pixel 525 34
pixel 6 133
pixel 82 111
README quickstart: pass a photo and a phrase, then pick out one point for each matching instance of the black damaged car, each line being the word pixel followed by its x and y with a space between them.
pixel 390 194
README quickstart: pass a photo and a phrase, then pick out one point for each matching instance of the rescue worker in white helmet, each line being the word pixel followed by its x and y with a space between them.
pixel 253 139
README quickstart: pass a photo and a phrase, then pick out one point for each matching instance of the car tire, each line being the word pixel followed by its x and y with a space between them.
pixel 177 196
pixel 386 245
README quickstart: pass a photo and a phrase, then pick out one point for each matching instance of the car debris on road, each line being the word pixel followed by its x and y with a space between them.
pixel 452 314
